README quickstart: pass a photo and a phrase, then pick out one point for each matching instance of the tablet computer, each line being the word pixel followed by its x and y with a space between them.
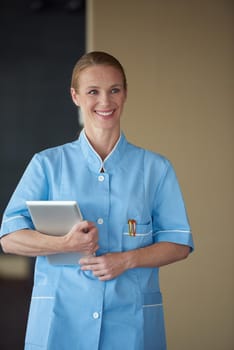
pixel 56 218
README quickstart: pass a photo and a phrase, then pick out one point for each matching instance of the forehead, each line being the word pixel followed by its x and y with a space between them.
pixel 100 75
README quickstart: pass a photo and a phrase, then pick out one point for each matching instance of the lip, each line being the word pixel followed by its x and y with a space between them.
pixel 105 113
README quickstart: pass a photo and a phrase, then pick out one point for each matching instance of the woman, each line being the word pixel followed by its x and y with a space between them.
pixel 135 218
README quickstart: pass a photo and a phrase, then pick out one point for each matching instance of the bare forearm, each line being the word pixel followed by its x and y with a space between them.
pixel 82 237
pixel 111 265
pixel 30 243
pixel 156 255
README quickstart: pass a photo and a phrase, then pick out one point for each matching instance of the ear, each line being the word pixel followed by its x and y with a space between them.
pixel 74 96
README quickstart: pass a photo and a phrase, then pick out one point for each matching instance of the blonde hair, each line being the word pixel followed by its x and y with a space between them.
pixel 95 58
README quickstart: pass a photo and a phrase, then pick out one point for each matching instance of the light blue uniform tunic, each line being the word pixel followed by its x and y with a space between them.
pixel 71 309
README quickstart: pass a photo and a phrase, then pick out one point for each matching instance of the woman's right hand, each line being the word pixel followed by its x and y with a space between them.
pixel 83 237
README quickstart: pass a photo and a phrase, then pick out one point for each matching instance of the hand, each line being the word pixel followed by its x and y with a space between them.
pixel 105 267
pixel 83 237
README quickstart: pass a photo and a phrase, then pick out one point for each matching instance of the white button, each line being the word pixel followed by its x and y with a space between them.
pixel 96 315
pixel 101 178
pixel 100 221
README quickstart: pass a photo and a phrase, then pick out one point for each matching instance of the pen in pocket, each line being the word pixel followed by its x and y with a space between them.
pixel 132 227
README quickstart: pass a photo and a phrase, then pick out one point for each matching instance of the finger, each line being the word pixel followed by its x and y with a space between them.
pixel 86 268
pixel 97 272
pixel 94 249
pixel 91 226
pixel 88 260
pixel 101 273
pixel 92 266
pixel 85 226
pixel 106 277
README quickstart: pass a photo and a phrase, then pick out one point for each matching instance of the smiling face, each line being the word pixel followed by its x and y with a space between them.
pixel 101 95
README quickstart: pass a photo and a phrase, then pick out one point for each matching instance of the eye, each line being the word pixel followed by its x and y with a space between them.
pixel 115 90
pixel 92 92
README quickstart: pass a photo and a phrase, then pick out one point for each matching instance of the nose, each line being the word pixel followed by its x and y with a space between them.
pixel 104 99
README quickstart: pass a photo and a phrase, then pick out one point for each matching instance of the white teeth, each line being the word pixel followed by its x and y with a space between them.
pixel 104 114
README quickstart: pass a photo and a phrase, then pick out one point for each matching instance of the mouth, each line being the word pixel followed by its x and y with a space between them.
pixel 105 114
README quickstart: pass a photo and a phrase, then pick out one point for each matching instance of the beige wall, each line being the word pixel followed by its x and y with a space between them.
pixel 178 57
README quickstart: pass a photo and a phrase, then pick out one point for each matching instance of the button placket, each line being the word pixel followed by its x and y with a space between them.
pixel 103 195
pixel 96 315
pixel 101 178
pixel 100 221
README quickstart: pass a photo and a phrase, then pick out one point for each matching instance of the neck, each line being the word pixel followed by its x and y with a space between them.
pixel 103 141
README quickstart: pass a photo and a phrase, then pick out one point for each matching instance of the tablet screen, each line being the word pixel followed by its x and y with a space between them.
pixel 56 218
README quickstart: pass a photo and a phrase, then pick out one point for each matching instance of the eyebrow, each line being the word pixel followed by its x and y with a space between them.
pixel 97 87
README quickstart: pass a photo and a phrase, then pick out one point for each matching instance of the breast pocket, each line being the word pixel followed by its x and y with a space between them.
pixel 142 237
pixel 40 315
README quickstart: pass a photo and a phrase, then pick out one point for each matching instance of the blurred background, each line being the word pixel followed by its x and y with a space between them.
pixel 40 43
pixel 178 57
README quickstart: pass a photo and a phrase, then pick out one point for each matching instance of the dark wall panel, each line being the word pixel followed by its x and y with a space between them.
pixel 38 52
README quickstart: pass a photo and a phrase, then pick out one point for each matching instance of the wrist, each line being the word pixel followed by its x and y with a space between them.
pixel 131 258
pixel 63 244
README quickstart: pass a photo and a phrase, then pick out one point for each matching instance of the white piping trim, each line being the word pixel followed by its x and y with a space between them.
pixel 138 234
pixel 13 218
pixel 45 297
pixel 152 305
pixel 113 149
pixel 184 231
pixel 91 147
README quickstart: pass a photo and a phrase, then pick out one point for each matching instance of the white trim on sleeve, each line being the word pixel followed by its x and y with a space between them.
pixel 13 218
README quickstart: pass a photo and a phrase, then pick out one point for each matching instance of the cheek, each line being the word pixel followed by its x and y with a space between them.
pixel 122 102
pixel 86 106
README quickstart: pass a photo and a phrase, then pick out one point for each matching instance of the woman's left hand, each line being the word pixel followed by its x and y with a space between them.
pixel 111 265
pixel 105 267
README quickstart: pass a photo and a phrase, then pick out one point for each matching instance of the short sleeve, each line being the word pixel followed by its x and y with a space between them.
pixel 32 186
pixel 170 221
